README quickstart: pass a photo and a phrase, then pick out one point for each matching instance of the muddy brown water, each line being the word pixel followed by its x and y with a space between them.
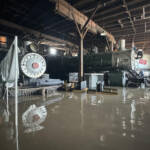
pixel 79 121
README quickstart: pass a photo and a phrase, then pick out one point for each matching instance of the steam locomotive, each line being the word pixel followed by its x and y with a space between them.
pixel 122 64
pixel 33 65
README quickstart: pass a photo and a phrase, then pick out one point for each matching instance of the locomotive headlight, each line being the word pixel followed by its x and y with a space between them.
pixel 53 51
pixel 33 65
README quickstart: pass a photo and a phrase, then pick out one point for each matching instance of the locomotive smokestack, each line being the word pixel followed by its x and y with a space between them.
pixel 122 44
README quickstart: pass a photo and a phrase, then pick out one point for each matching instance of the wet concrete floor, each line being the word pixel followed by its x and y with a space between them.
pixel 79 121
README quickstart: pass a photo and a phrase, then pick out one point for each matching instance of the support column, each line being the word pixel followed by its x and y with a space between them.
pixel 82 32
pixel 112 46
pixel 81 73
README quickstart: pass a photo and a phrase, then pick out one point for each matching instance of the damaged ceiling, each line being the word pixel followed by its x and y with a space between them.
pixel 128 19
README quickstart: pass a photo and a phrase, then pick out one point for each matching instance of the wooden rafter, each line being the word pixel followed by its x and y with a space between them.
pixel 67 10
pixel 34 32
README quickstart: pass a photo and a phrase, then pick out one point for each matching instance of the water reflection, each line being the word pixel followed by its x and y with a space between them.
pixel 81 121
pixel 33 117
pixel 96 99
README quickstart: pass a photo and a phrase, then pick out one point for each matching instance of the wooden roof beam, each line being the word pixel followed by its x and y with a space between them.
pixel 87 9
pixel 130 34
pixel 130 17
pixel 129 27
pixel 65 9
pixel 34 32
pixel 109 22
pixel 114 26
pixel 114 8
pixel 109 17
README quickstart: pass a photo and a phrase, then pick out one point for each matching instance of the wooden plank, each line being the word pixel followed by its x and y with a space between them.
pixel 65 9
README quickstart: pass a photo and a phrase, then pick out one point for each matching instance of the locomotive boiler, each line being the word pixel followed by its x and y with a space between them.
pixel 114 65
pixel 123 60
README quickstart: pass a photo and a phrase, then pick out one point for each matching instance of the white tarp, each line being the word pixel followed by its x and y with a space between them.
pixel 9 65
pixel 9 73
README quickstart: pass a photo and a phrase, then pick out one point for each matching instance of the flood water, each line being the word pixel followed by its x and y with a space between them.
pixel 79 121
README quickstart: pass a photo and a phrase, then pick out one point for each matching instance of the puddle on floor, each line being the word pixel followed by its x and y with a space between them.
pixel 79 121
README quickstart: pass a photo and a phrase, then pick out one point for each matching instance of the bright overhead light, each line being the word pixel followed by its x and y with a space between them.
pixel 53 51
pixel 103 34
